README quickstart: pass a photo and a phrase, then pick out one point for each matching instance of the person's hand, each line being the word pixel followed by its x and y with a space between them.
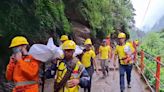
pixel 18 56
pixel 12 59
pixel 73 82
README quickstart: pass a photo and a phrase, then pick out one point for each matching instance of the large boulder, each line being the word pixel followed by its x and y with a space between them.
pixel 80 33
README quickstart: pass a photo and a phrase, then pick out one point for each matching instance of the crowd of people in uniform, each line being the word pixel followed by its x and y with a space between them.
pixel 69 72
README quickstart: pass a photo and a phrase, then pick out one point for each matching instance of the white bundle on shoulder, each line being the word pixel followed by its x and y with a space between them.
pixel 41 52
pixel 78 50
pixel 57 51
pixel 50 44
pixel 50 51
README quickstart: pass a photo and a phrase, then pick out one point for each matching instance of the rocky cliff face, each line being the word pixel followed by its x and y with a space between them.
pixel 80 32
pixel 80 27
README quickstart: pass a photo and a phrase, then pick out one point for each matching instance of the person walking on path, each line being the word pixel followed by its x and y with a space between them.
pixel 124 53
pixel 105 52
pixel 88 60
pixel 69 74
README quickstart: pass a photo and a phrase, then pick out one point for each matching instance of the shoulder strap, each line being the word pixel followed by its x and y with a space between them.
pixel 70 68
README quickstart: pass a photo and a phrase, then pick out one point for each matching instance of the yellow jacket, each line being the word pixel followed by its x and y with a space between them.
pixel 120 51
pixel 82 75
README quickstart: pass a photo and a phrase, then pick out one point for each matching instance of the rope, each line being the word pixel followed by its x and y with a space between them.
pixel 151 71
pixel 151 57
pixel 146 11
pixel 147 82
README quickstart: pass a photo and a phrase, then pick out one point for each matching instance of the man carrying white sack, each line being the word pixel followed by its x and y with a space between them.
pixel 68 72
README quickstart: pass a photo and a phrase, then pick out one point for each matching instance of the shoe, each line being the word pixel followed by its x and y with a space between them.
pixel 129 86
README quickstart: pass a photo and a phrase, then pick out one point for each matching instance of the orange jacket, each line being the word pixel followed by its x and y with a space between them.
pixel 109 44
pixel 26 69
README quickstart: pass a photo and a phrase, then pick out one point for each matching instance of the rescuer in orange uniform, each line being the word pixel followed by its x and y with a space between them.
pixel 23 69
pixel 108 43
pixel 135 45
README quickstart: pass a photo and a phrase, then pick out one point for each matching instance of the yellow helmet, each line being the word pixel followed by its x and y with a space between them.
pixel 18 40
pixel 121 35
pixel 88 41
pixel 64 38
pixel 69 44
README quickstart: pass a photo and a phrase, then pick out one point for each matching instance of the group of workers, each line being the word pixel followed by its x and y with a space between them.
pixel 69 72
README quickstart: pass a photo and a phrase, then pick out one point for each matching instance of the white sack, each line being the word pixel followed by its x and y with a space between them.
pixel 41 52
pixel 78 50
pixel 58 53
pixel 50 44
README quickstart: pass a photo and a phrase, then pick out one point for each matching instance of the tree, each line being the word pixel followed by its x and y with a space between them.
pixel 37 20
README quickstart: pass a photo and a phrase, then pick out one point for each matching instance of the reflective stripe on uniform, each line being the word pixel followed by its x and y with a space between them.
pixel 25 83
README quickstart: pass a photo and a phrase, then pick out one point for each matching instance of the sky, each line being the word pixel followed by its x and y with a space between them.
pixel 154 13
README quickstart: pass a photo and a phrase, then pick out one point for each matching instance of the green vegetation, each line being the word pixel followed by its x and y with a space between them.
pixel 39 19
pixel 105 16
pixel 153 44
